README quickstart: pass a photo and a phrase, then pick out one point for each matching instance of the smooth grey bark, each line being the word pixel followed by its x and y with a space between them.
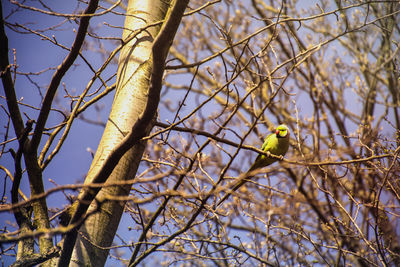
pixel 135 67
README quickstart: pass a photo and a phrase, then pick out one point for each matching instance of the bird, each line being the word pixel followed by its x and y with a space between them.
pixel 276 143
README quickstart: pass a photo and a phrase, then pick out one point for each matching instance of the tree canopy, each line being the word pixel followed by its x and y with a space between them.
pixel 329 70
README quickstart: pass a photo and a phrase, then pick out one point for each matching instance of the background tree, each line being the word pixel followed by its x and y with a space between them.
pixel 329 70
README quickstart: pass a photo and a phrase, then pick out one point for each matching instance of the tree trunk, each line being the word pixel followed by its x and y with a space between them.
pixel 135 67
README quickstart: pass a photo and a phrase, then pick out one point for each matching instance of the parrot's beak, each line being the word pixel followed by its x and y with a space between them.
pixel 277 132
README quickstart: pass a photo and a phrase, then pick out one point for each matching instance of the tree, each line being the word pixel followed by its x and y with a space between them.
pixel 236 69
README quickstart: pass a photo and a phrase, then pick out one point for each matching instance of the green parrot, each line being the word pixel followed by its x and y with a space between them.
pixel 276 143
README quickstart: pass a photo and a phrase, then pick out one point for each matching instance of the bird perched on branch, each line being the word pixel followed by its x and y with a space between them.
pixel 277 144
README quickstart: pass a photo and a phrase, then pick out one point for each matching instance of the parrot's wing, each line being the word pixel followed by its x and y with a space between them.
pixel 265 147
pixel 266 141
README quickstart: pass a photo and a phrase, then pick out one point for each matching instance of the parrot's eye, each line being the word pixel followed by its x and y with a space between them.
pixel 282 133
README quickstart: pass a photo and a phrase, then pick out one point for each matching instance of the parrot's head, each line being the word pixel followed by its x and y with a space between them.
pixel 282 131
